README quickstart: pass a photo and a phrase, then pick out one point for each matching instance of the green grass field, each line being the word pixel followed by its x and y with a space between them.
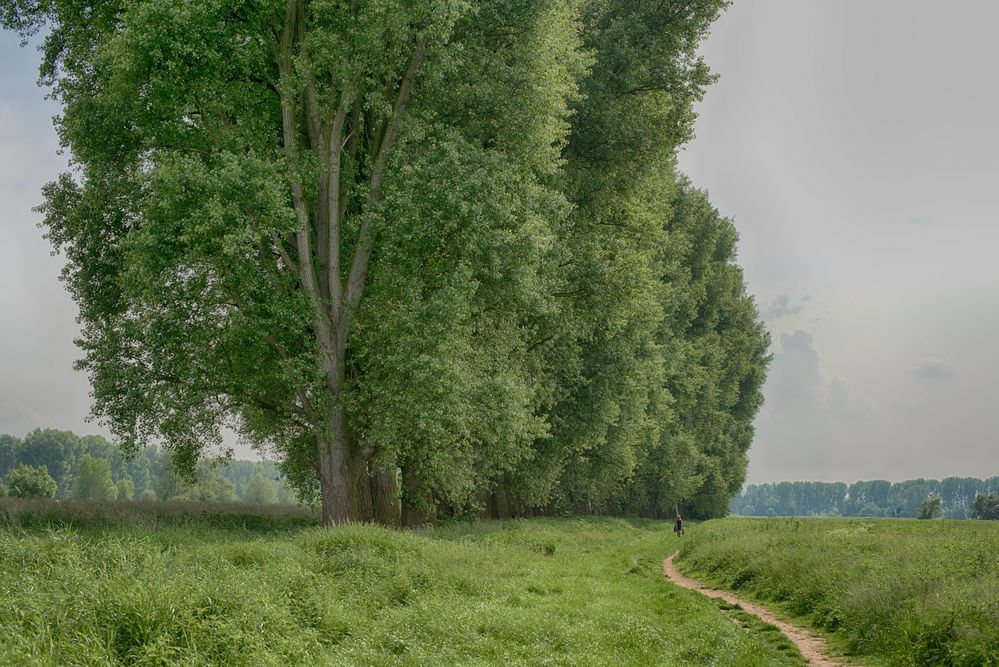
pixel 899 592
pixel 178 584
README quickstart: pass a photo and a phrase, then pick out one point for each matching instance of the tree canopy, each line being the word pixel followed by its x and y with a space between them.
pixel 436 257
pixel 93 480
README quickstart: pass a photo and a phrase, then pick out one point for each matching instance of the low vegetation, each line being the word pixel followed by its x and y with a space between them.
pixel 902 592
pixel 528 592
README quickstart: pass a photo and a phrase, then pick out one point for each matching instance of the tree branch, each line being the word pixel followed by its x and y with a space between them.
pixel 334 152
pixel 366 236
pixel 306 270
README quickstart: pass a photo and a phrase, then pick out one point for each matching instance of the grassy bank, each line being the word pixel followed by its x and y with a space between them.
pixel 903 592
pixel 537 592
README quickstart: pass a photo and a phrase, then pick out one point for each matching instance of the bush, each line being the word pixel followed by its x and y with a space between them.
pixel 28 482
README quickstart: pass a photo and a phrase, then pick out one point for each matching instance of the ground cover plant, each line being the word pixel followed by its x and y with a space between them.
pixel 904 592
pixel 540 591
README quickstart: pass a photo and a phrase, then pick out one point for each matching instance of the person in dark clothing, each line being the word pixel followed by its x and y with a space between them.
pixel 678 526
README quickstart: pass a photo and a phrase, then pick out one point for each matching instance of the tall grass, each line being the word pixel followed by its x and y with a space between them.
pixel 538 592
pixel 89 514
pixel 905 592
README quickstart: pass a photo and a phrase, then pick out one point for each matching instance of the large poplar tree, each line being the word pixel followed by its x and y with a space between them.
pixel 238 167
pixel 433 254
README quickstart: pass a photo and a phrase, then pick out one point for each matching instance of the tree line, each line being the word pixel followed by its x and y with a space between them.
pixel 50 463
pixel 959 498
pixel 434 257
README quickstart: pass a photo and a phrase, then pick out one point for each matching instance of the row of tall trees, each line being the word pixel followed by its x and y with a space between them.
pixel 552 318
pixel 875 498
pixel 90 467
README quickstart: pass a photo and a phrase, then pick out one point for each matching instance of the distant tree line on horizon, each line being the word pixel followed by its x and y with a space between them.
pixel 51 463
pixel 960 498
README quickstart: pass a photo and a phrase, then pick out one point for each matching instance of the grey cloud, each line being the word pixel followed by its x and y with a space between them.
pixel 798 387
pixel 782 306
pixel 933 368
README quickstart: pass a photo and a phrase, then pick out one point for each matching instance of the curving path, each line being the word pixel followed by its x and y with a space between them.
pixel 812 647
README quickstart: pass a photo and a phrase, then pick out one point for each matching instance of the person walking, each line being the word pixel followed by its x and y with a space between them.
pixel 678 526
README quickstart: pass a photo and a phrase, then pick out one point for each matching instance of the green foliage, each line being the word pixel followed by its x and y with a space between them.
pixel 929 508
pixel 93 480
pixel 476 594
pixel 901 592
pixel 29 482
pixel 261 491
pixel 985 506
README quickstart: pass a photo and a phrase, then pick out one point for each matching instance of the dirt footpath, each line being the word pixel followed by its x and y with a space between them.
pixel 812 647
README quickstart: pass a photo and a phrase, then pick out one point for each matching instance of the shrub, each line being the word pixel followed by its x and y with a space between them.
pixel 28 482
pixel 930 508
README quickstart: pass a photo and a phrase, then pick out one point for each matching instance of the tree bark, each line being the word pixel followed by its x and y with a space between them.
pixel 363 493
pixel 334 474
pixel 385 497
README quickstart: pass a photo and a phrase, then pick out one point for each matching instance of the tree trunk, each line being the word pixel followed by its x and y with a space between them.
pixel 364 510
pixel 502 500
pixel 335 485
pixel 385 497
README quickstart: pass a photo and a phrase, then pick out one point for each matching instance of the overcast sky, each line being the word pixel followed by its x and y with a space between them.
pixel 856 145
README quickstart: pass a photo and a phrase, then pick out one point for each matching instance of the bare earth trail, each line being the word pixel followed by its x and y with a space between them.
pixel 813 648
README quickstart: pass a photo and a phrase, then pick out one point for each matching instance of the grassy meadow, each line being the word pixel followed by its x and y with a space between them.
pixel 183 584
pixel 898 592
